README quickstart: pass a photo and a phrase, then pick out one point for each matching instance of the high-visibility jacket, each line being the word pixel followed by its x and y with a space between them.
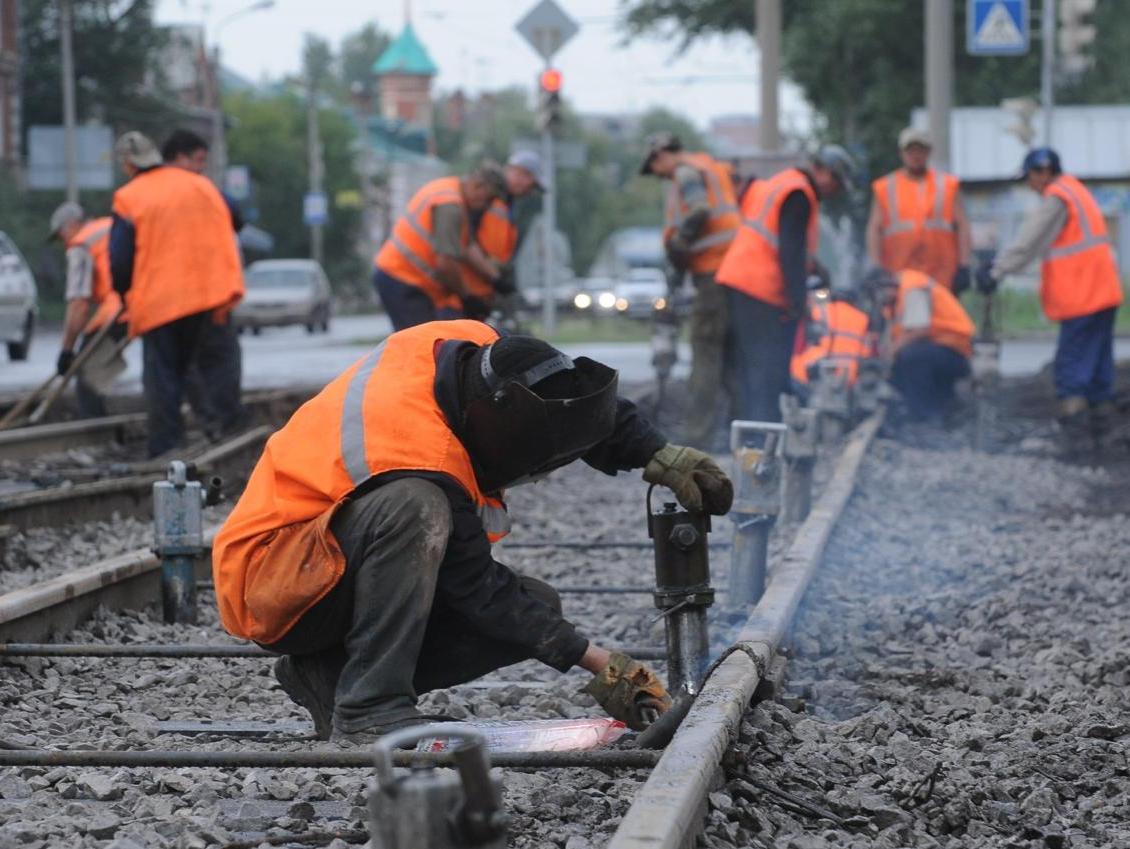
pixel 918 223
pixel 950 324
pixel 409 254
pixel 275 556
pixel 185 256
pixel 498 237
pixel 94 238
pixel 752 265
pixel 1079 275
pixel 721 227
pixel 845 340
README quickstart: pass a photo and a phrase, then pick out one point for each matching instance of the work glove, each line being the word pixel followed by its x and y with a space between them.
pixel 678 251
pixel 629 691
pixel 986 283
pixel 693 476
pixel 475 307
pixel 63 364
pixel 505 283
pixel 961 280
pixel 814 332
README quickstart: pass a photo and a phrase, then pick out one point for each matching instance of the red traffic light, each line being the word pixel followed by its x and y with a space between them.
pixel 550 80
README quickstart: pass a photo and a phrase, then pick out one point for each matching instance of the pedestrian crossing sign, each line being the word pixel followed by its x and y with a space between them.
pixel 997 27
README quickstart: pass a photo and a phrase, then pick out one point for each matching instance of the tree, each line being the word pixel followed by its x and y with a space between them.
pixel 359 52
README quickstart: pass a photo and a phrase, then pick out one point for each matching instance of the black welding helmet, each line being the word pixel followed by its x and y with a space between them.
pixel 533 410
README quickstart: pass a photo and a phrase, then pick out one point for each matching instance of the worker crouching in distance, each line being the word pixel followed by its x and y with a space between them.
pixel 931 340
pixel 836 332
pixel 361 546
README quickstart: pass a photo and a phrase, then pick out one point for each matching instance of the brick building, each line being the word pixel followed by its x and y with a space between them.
pixel 9 84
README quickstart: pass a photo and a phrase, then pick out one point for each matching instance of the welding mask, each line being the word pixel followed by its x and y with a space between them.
pixel 513 433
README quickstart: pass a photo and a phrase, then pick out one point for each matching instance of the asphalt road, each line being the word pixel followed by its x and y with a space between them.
pixel 290 356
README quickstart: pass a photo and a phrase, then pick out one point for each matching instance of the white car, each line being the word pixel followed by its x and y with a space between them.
pixel 18 300
pixel 282 292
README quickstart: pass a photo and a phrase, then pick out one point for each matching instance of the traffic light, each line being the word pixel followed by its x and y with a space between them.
pixel 549 100
pixel 1075 36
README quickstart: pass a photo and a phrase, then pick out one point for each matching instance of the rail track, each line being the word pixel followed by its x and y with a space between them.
pixel 668 808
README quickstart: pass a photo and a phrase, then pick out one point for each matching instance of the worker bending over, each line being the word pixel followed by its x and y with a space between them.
pixel 917 218
pixel 836 332
pixel 360 548
pixel 701 221
pixel 930 336
pixel 173 258
pixel 765 273
pixel 1079 288
pixel 418 274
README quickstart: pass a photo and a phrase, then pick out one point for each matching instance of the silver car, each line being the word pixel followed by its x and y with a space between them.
pixel 282 292
pixel 18 300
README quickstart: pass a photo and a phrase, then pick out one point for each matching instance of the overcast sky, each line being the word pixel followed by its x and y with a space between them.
pixel 475 46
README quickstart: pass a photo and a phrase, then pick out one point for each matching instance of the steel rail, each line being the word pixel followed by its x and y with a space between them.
pixel 669 809
pixel 28 443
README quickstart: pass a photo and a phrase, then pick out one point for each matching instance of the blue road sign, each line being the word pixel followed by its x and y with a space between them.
pixel 997 27
pixel 315 209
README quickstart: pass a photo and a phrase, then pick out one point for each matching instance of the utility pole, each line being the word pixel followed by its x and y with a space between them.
pixel 315 164
pixel 218 161
pixel 70 143
pixel 939 76
pixel 1047 68
pixel 769 44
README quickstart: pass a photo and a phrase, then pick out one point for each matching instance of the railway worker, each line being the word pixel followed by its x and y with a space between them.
pixel 1079 288
pixel 188 150
pixel 836 331
pixel 917 218
pixel 91 304
pixel 496 235
pixel 418 273
pixel 173 259
pixel 701 221
pixel 931 340
pixel 765 273
pixel 360 548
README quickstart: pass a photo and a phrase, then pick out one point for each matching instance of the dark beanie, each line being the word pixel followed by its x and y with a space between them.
pixel 510 357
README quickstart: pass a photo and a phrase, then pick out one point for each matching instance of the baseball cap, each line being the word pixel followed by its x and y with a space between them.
pixel 913 135
pixel 657 142
pixel 527 160
pixel 1040 158
pixel 138 150
pixel 65 213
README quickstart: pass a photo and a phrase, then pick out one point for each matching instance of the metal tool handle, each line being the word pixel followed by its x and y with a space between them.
pixel 384 747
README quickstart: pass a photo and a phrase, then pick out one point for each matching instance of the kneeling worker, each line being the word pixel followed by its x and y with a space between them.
pixel 931 340
pixel 836 331
pixel 361 546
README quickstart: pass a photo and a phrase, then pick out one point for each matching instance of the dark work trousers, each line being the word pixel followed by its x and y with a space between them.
pixel 1084 357
pixel 710 368
pixel 381 633
pixel 215 401
pixel 760 344
pixel 406 305
pixel 924 373
pixel 168 352
pixel 91 402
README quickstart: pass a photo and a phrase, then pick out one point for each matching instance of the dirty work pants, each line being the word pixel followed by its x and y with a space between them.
pixel 760 347
pixel 381 633
pixel 1084 357
pixel 168 354
pixel 215 401
pixel 924 373
pixel 708 360
pixel 407 305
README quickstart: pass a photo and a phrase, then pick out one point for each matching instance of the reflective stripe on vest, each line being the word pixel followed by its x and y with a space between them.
pixel 936 221
pixel 353 419
pixel 496 521
pixel 92 238
pixel 1090 238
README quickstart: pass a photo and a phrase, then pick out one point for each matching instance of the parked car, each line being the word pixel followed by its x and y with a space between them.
pixel 18 300
pixel 282 292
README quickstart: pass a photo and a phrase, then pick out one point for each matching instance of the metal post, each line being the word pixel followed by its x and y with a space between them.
pixel 1047 68
pixel 769 45
pixel 756 505
pixel 939 76
pixel 219 154
pixel 682 592
pixel 548 232
pixel 70 143
pixel 178 531
pixel 314 159
pixel 800 458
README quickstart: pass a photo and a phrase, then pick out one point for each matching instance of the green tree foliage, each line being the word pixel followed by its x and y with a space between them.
pixel 860 62
pixel 359 52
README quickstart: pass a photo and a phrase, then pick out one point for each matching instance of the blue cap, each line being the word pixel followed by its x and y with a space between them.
pixel 1040 157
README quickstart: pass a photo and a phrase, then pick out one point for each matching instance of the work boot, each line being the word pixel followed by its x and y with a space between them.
pixel 1103 418
pixel 1075 429
pixel 370 735
pixel 302 677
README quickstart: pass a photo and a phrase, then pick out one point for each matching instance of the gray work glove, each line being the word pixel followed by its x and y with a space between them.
pixel 693 476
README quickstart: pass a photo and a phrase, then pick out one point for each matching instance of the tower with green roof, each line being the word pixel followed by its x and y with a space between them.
pixel 404 77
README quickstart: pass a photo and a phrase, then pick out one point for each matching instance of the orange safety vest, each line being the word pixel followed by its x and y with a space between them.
pixel 845 341
pixel 950 324
pixel 186 260
pixel 498 237
pixel 94 237
pixel 409 255
pixel 751 265
pixel 275 556
pixel 919 223
pixel 721 227
pixel 1079 275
